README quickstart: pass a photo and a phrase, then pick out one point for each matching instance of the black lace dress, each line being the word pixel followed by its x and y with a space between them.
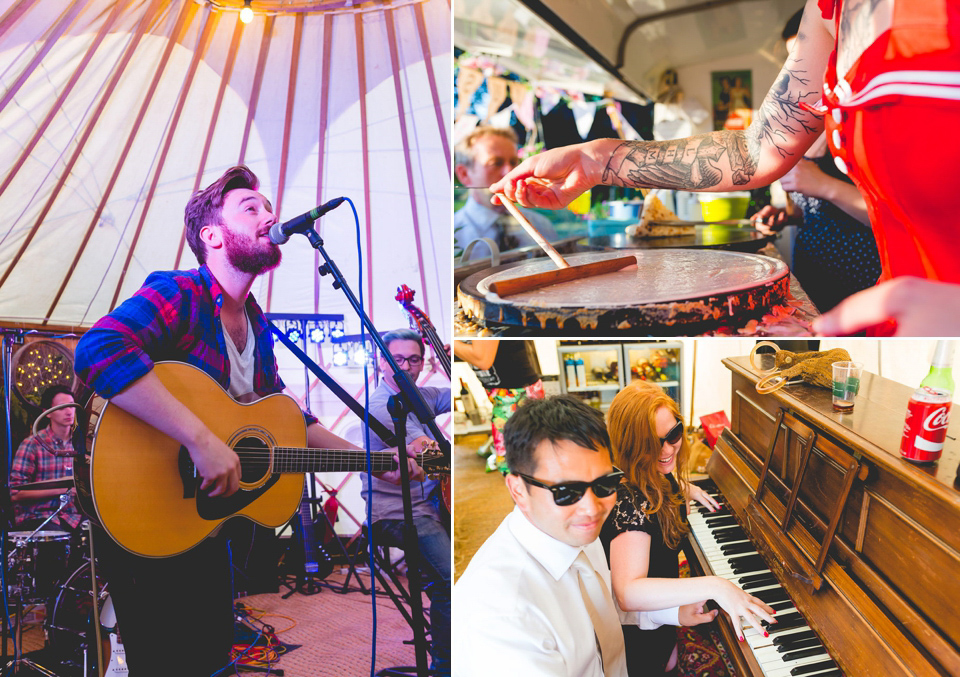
pixel 647 650
pixel 834 254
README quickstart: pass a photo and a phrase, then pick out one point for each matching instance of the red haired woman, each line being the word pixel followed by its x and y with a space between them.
pixel 643 534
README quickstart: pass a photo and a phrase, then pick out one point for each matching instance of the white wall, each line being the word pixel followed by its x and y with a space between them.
pixel 903 360
pixel 695 80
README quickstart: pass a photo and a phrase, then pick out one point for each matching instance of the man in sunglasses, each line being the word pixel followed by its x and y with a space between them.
pixel 524 604
pixel 429 514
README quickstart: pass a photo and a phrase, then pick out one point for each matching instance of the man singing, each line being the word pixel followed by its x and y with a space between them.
pixel 176 613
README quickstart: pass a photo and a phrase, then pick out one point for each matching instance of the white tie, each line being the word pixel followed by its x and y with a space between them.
pixel 606 622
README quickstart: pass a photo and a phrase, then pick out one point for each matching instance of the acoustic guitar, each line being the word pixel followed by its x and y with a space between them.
pixel 143 489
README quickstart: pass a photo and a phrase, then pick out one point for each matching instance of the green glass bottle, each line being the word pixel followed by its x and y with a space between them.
pixel 941 375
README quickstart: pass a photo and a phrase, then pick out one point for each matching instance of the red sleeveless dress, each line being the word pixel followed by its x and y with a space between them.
pixel 893 125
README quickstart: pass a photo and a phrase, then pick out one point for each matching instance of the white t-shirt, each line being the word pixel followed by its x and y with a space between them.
pixel 241 366
pixel 518 609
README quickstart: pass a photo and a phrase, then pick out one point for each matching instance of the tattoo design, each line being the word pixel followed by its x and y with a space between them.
pixel 687 164
pixel 781 115
pixel 860 24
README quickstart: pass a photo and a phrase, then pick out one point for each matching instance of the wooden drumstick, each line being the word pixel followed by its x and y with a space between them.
pixel 533 232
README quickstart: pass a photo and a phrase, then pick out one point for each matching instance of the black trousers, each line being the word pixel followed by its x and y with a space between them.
pixel 174 614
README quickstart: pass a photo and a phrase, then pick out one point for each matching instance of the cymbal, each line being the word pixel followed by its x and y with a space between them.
pixel 65 482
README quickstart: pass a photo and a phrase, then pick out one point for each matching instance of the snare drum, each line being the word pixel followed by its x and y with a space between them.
pixel 38 563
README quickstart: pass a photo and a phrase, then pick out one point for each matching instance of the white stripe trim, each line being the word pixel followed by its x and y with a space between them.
pixel 930 84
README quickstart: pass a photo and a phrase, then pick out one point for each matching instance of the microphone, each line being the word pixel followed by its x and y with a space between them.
pixel 281 232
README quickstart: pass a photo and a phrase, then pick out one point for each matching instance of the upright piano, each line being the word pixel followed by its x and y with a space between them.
pixel 858 549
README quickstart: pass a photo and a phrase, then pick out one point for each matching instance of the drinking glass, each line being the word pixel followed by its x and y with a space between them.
pixel 846 384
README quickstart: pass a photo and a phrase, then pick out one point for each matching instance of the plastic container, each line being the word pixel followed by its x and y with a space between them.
pixel 607 226
pixel 624 211
pixel 723 206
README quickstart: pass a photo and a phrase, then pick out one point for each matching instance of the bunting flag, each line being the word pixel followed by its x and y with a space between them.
pixel 522 97
pixel 468 82
pixel 497 89
pixel 583 114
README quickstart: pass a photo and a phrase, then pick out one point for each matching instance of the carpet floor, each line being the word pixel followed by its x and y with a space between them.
pixel 332 633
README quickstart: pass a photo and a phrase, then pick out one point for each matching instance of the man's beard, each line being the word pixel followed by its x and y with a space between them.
pixel 250 256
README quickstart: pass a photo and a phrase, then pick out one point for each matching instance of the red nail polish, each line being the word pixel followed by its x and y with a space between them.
pixel 766 634
pixel 741 639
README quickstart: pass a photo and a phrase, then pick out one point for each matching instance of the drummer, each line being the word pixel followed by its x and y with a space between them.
pixel 895 64
pixel 485 156
pixel 48 455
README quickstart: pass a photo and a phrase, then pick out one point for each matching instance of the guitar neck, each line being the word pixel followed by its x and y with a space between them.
pixel 300 460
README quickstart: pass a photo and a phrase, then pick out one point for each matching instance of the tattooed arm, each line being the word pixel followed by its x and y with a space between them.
pixel 724 160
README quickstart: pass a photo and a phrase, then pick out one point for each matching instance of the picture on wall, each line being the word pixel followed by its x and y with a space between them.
pixel 732 97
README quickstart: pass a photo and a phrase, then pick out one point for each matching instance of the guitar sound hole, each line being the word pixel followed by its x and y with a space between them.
pixel 254 459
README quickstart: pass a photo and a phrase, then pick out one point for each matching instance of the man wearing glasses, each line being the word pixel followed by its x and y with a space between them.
pixel 535 599
pixel 386 500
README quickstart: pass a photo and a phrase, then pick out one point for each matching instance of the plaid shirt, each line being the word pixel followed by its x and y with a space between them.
pixel 173 316
pixel 44 456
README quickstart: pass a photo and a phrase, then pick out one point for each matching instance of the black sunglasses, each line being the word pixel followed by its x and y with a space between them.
pixel 674 435
pixel 568 493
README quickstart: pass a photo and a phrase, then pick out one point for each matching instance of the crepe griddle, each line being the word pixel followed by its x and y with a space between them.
pixel 705 237
pixel 670 292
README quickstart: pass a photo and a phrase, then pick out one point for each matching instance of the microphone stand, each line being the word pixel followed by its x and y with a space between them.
pixel 411 549
pixel 409 399
pixel 415 400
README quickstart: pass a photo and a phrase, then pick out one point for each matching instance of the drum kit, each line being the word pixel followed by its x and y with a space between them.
pixel 44 569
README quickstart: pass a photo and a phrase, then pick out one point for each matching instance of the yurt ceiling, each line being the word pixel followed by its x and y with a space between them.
pixel 618 44
pixel 113 113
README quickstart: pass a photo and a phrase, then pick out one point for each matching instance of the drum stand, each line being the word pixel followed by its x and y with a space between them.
pixel 17 556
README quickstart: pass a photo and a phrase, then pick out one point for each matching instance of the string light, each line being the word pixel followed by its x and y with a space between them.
pixel 246 14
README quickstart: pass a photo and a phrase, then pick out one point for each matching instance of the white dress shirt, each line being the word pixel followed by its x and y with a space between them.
pixel 518 608
pixel 475 220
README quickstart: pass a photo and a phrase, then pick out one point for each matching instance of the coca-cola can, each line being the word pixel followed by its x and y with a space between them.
pixel 925 428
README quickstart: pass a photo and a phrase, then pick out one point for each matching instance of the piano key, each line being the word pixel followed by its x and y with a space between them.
pixel 737 548
pixel 772 595
pixel 756 640
pixel 770 658
pixel 787 618
pixel 721 521
pixel 809 668
pixel 737 534
pixel 713 550
pixel 760 585
pixel 756 577
pixel 800 666
pixel 783 626
pixel 791 640
pixel 774 662
pixel 820 650
pixel 773 671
